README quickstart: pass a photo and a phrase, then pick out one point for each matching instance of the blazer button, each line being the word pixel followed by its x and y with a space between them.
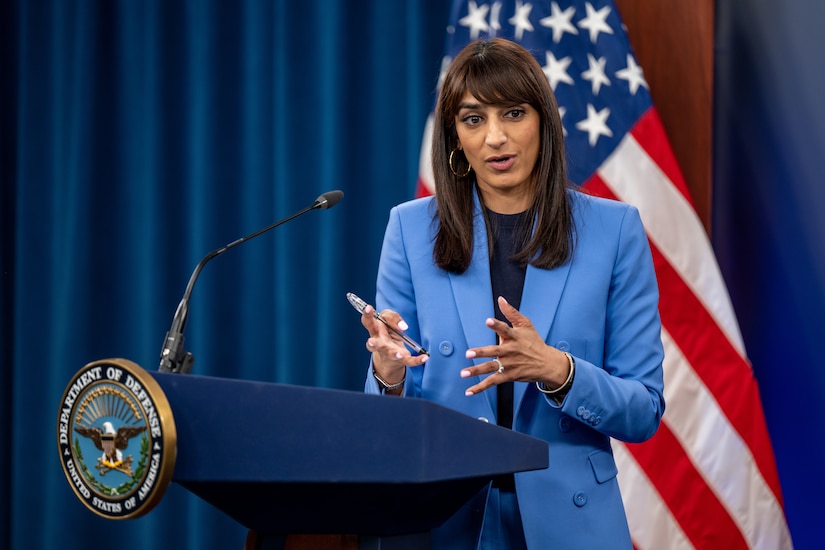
pixel 580 499
pixel 562 345
pixel 564 423
pixel 483 419
pixel 580 410
pixel 445 348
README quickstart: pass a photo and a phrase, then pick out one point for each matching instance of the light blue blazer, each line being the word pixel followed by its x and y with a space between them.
pixel 601 307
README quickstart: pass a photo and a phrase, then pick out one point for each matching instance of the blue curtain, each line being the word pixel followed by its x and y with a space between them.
pixel 140 135
pixel 768 227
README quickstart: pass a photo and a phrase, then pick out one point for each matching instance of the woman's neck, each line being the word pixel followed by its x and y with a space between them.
pixel 503 202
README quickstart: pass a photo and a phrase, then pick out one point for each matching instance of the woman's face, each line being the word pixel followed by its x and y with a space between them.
pixel 502 145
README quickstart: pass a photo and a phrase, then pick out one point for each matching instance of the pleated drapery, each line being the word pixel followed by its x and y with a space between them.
pixel 140 135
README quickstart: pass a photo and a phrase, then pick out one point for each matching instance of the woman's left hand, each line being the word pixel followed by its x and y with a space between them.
pixel 521 355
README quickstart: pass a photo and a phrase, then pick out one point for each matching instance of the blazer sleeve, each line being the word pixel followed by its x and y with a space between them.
pixel 623 397
pixel 394 290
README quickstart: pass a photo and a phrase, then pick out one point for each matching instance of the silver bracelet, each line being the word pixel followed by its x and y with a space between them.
pixel 543 389
pixel 388 387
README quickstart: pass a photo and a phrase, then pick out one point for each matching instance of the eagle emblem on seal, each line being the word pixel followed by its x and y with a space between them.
pixel 112 443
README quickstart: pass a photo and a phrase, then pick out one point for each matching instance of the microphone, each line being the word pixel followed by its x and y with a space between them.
pixel 173 358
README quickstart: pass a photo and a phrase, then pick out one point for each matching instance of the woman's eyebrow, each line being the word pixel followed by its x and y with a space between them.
pixel 476 106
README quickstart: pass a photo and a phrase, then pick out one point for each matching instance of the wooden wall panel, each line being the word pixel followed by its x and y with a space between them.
pixel 673 42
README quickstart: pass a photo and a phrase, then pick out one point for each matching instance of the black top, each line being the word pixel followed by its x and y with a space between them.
pixel 507 278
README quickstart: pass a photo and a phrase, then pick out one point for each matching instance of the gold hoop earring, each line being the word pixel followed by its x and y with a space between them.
pixel 456 174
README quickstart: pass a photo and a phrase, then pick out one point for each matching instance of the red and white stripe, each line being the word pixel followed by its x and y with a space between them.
pixel 707 479
pixel 710 469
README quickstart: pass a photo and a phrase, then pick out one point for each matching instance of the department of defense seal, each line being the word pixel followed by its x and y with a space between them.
pixel 116 437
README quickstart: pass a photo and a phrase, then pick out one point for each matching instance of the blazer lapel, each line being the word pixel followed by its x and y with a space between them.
pixel 540 299
pixel 472 289
pixel 473 294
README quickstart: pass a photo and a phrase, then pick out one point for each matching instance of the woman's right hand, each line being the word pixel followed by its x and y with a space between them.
pixel 390 356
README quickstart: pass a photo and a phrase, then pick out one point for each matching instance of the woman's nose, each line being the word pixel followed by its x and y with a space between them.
pixel 496 137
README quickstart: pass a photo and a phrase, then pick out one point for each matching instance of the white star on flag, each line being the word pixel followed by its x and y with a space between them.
pixel 560 21
pixel 595 74
pixel 595 21
pixel 521 20
pixel 475 19
pixel 556 70
pixel 595 124
pixel 633 74
pixel 495 18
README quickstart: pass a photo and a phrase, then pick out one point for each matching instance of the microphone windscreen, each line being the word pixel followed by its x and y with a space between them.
pixel 329 199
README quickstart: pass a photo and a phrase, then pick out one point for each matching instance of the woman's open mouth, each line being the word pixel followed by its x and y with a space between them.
pixel 501 163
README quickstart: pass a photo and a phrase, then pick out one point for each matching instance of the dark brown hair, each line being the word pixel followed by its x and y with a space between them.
pixel 499 72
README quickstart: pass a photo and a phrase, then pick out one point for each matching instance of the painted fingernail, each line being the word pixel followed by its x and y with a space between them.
pixel 490 322
pixel 403 326
pixel 425 358
pixel 465 373
pixel 398 355
pixel 468 393
pixel 470 354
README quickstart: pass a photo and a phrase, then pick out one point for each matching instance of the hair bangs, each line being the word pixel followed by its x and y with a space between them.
pixel 496 80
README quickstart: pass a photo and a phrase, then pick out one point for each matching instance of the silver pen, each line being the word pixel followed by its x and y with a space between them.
pixel 359 306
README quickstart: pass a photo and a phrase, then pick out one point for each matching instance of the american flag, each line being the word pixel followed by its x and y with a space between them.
pixel 707 479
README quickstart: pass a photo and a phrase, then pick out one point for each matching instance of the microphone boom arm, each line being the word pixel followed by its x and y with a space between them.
pixel 173 358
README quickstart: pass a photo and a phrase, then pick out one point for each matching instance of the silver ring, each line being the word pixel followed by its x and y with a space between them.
pixel 500 366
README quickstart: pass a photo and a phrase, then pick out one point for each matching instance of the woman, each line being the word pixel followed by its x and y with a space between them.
pixel 538 305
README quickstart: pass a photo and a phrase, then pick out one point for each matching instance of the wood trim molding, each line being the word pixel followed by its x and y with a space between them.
pixel 673 42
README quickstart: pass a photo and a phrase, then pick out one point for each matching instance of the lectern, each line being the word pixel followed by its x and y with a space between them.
pixel 283 459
